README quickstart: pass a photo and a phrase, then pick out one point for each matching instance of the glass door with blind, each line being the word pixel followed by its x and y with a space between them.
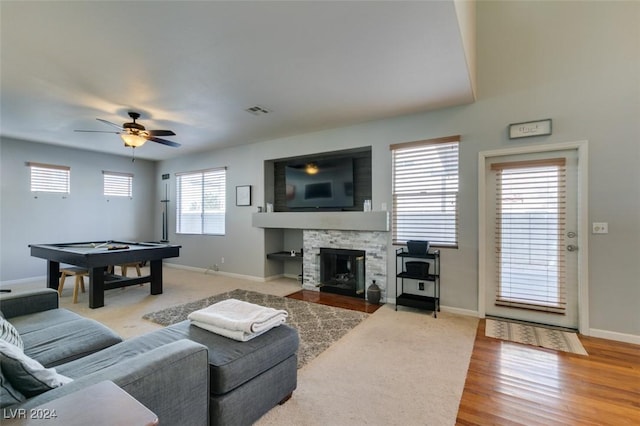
pixel 531 234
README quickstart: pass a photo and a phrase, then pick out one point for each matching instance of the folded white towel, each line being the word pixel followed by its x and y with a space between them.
pixel 238 315
pixel 238 335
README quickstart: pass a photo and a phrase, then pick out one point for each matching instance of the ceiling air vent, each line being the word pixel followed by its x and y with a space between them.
pixel 257 110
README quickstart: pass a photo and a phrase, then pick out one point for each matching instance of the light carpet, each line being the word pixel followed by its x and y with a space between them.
pixel 536 336
pixel 319 326
pixel 396 368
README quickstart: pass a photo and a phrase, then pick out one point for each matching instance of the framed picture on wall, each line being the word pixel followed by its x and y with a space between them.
pixel 243 195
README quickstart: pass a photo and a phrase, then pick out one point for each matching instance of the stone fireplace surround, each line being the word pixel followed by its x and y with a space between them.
pixel 374 243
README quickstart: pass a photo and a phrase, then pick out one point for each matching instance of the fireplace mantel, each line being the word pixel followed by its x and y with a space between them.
pixel 346 221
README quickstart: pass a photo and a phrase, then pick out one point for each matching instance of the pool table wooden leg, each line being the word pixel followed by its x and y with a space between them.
pixel 96 287
pixel 156 276
pixel 53 274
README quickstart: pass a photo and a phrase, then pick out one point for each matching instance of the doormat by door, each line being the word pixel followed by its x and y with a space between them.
pixel 536 336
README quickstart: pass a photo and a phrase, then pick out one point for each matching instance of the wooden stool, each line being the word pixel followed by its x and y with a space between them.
pixel 124 267
pixel 79 273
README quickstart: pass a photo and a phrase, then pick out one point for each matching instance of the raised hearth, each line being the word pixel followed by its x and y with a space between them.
pixel 335 300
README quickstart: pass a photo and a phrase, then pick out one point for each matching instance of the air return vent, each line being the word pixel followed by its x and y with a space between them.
pixel 257 110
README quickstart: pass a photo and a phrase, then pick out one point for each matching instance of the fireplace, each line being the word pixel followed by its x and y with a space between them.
pixel 373 244
pixel 342 272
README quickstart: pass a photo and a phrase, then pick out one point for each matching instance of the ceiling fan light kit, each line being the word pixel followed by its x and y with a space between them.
pixel 133 140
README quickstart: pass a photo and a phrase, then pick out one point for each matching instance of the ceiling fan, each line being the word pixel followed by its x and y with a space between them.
pixel 135 134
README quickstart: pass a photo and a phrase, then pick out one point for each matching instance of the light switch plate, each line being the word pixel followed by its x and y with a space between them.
pixel 600 228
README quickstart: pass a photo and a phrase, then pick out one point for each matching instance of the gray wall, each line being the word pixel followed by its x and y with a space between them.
pixel 83 215
pixel 577 63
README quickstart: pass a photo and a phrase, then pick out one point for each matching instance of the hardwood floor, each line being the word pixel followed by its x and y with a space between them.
pixel 509 383
pixel 336 300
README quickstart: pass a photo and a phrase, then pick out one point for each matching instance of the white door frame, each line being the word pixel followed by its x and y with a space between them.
pixel 581 148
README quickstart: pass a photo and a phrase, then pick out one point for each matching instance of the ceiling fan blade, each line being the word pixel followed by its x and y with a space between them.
pixel 160 133
pixel 164 141
pixel 97 131
pixel 110 123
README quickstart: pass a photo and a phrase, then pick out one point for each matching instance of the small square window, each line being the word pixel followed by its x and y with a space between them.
pixel 50 178
pixel 118 184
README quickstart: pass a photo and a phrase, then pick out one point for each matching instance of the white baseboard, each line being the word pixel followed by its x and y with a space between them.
pixel 273 277
pixel 211 272
pixel 460 311
pixel 614 335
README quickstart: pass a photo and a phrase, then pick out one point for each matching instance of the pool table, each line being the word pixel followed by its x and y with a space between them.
pixel 97 256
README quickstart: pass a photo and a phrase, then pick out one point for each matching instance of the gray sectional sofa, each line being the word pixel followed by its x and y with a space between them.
pixel 185 375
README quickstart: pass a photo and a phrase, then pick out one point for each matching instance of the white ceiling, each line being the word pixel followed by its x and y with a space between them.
pixel 194 67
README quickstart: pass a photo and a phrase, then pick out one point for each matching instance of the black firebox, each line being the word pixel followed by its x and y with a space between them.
pixel 342 272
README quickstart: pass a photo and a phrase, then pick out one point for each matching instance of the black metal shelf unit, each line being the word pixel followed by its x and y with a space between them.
pixel 403 298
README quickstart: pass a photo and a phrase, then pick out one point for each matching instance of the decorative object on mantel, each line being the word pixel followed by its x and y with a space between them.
pixel 530 128
pixel 373 293
pixel 243 195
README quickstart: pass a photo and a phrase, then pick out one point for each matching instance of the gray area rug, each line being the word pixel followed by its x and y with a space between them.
pixel 318 325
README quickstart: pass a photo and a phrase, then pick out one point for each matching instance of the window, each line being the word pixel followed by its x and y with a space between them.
pixel 117 184
pixel 50 178
pixel 530 218
pixel 201 202
pixel 425 191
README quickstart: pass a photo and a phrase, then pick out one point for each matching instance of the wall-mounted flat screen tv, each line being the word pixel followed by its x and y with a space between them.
pixel 325 183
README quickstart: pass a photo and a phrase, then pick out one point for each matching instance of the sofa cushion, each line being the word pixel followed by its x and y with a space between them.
pixel 8 333
pixel 36 321
pixel 58 336
pixel 231 363
pixel 27 375
pixel 8 394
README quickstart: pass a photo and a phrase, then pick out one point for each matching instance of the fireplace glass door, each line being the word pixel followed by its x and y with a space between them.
pixel 342 272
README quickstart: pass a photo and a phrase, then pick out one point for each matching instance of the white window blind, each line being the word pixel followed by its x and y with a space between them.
pixel 50 178
pixel 201 204
pixel 425 191
pixel 117 184
pixel 530 228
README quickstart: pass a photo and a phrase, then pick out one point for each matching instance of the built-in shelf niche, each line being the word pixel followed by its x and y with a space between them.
pixel 284 227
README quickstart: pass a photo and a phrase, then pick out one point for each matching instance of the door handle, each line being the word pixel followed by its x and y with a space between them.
pixel 571 247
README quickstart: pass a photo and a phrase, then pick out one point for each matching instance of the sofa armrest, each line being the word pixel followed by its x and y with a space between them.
pixel 171 380
pixel 19 303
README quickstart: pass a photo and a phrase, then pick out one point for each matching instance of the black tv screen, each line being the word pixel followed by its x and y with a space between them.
pixel 324 183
